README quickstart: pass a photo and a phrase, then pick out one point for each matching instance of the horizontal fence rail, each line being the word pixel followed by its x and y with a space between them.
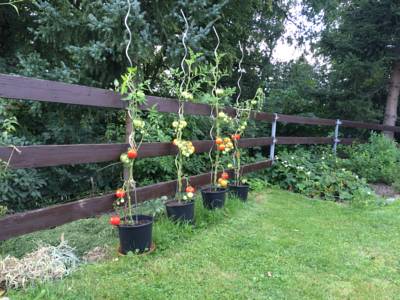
pixel 56 155
pixel 24 88
pixel 31 221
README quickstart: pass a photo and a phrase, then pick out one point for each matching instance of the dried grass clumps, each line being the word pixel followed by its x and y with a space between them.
pixel 45 264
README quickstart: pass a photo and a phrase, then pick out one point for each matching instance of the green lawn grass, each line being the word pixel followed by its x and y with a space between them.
pixel 277 246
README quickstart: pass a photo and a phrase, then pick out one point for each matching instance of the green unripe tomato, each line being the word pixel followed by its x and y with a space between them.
pixel 124 158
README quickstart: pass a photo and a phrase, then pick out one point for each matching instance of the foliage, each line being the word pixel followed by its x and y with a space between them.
pixel 243 114
pixel 183 83
pixel 298 248
pixel 378 161
pixel 396 185
pixel 359 51
pixel 317 175
pixel 132 89
pixel 3 210
pixel 84 41
pixel 20 189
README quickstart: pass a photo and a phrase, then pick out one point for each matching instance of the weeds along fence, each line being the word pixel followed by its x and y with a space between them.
pixel 23 88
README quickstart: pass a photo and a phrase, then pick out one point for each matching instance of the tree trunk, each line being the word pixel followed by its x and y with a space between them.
pixel 392 100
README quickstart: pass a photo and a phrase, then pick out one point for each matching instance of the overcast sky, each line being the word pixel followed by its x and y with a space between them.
pixel 284 51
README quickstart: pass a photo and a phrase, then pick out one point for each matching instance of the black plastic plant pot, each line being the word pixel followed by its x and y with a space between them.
pixel 180 211
pixel 136 238
pixel 240 191
pixel 213 197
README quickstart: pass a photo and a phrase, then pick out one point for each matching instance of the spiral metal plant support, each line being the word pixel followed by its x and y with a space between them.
pixel 129 32
pixel 178 157
pixel 236 159
pixel 131 139
pixel 214 174
pixel 240 76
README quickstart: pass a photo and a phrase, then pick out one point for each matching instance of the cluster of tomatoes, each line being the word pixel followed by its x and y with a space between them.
pixel 224 117
pixel 235 137
pixel 129 156
pixel 186 147
pixel 179 125
pixel 189 192
pixel 224 145
pixel 120 195
pixel 223 180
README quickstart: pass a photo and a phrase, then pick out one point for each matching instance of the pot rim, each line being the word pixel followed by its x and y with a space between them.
pixel 144 217
pixel 218 191
pixel 182 203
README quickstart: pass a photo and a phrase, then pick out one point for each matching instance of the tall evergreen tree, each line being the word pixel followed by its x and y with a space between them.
pixel 361 39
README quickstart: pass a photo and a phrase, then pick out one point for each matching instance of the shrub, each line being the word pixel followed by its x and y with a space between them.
pixel 378 161
pixel 3 210
pixel 317 175
pixel 396 185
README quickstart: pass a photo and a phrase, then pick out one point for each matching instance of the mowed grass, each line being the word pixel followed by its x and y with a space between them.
pixel 277 246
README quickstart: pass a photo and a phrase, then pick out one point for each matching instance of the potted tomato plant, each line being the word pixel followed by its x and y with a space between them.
pixel 244 109
pixel 135 231
pixel 214 195
pixel 184 84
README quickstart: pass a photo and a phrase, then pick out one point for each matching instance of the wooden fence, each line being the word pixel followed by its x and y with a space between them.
pixel 16 87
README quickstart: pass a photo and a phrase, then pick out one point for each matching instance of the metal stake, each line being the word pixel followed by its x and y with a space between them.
pixel 273 135
pixel 336 141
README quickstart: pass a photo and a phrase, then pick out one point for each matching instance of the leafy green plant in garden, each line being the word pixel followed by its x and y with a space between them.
pixel 243 113
pixel 396 185
pixel 132 88
pixel 317 175
pixel 377 161
pixel 220 119
pixel 19 189
pixel 183 84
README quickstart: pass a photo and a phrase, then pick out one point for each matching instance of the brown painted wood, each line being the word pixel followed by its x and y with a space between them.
pixel 288 140
pixel 25 88
pixel 31 221
pixel 56 155
pixel 371 126
pixel 304 140
pixel 305 120
pixel 18 87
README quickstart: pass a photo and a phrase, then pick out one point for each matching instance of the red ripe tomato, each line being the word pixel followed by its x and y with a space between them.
pixel 190 189
pixel 219 141
pixel 120 193
pixel 225 175
pixel 221 147
pixel 132 153
pixel 115 220
pixel 236 137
